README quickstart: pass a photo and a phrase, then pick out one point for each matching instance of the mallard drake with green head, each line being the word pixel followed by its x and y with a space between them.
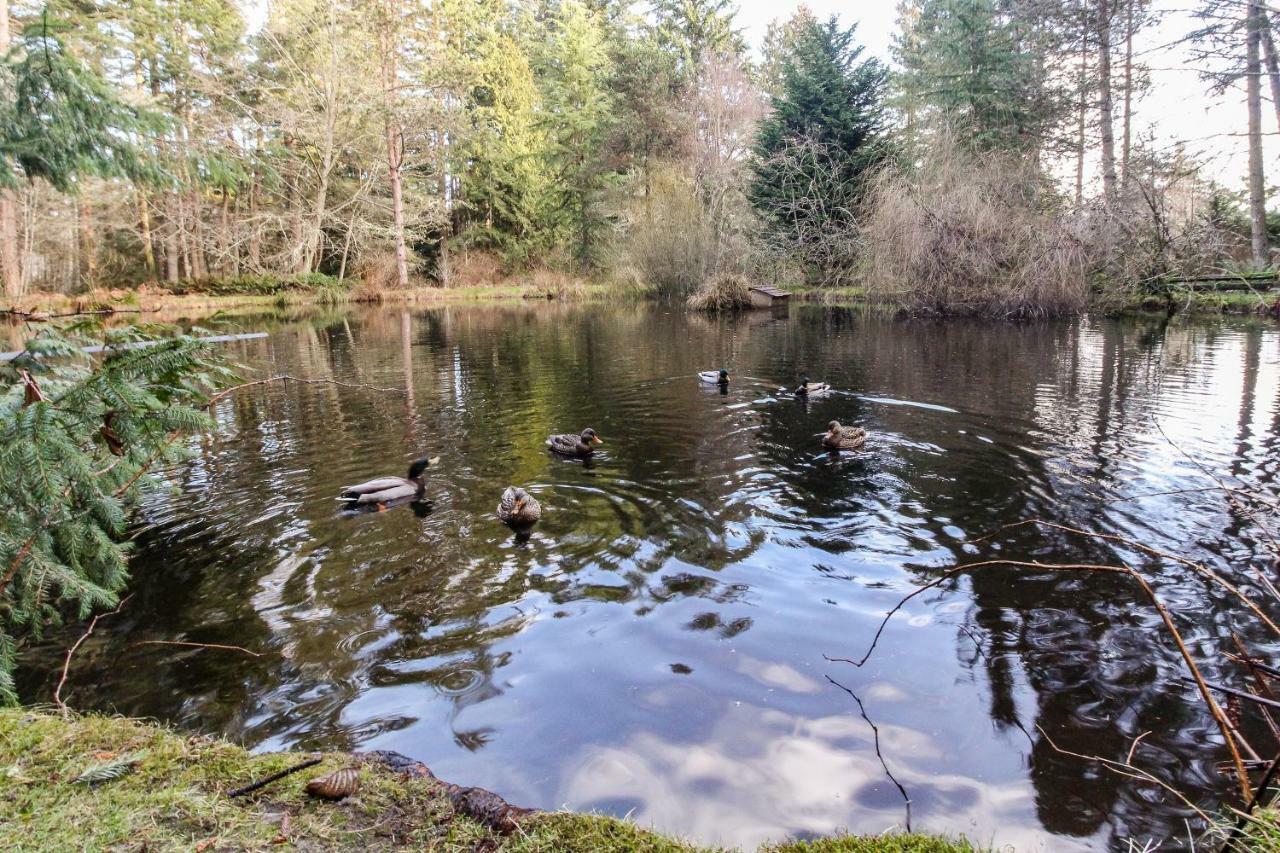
pixel 714 377
pixel 385 490
pixel 839 437
pixel 582 444
pixel 807 388
pixel 518 508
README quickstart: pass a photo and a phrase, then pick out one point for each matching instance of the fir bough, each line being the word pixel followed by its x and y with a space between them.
pixel 78 435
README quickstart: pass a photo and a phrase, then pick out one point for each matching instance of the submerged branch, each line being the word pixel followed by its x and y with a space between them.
pixel 66 663
pixel 1215 710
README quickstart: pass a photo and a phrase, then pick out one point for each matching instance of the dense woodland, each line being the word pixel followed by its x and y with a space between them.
pixel 995 166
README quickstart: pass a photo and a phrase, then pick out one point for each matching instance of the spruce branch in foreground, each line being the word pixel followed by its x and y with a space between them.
pixel 78 436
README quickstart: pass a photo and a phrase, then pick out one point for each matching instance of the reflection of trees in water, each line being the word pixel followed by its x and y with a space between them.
pixel 350 610
pixel 1092 652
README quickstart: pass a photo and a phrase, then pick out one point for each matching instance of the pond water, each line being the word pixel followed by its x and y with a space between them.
pixel 658 647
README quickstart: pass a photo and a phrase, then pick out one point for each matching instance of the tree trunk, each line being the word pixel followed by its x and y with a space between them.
pixel 10 256
pixel 144 220
pixel 86 247
pixel 1105 106
pixel 255 229
pixel 1083 106
pixel 395 137
pixel 1126 145
pixel 171 225
pixel 1257 183
pixel 1273 66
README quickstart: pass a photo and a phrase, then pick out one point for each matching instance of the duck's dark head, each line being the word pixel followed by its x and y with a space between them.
pixel 589 437
pixel 417 469
pixel 724 376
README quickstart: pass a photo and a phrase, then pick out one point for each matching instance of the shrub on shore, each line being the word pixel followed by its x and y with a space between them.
pixel 723 292
pixel 970 234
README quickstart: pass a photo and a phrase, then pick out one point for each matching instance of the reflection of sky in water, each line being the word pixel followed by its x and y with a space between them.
pixel 657 647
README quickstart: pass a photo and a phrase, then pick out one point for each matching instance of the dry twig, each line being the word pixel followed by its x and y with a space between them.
pixel 66 663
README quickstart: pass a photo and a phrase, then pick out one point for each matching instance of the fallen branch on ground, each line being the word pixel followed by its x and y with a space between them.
pixel 274 777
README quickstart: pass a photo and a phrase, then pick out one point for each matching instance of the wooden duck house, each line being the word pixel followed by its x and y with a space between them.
pixel 763 296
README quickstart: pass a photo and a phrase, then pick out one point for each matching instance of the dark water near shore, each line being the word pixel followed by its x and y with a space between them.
pixel 657 648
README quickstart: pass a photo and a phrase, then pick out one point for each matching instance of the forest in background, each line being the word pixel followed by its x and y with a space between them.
pixel 457 142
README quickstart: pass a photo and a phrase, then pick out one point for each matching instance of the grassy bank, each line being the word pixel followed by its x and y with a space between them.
pixel 158 790
pixel 1187 301
pixel 256 293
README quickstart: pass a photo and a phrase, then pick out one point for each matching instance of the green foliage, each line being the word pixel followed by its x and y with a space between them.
pixel 78 434
pixel 824 136
pixel 975 66
pixel 577 115
pixel 693 31
pixel 506 198
pixel 64 121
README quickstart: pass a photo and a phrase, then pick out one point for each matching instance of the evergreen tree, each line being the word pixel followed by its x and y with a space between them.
pixel 694 31
pixel 780 42
pixel 506 192
pixel 980 68
pixel 815 149
pixel 64 121
pixel 77 438
pixel 577 116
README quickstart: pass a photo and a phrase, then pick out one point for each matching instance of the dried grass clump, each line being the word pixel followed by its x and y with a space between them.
pixel 475 269
pixel 724 292
pixel 545 283
pixel 377 273
pixel 970 234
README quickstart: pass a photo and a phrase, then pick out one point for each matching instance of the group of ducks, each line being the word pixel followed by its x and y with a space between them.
pixel 837 437
pixel 518 509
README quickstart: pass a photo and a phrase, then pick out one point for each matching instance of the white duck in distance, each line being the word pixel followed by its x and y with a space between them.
pixel 807 388
pixel 715 377
pixel 568 444
pixel 839 437
pixel 386 490
pixel 518 509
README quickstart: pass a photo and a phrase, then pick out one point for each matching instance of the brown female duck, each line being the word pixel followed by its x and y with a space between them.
pixel 518 508
pixel 839 437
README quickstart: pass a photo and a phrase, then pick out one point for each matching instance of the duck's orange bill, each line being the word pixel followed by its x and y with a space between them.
pixel 595 439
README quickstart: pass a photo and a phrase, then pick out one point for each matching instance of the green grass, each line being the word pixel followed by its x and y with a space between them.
pixel 173 797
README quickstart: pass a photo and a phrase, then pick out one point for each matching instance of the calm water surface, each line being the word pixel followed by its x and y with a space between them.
pixel 657 648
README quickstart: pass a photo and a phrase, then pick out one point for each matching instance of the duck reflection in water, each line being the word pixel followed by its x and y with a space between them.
pixel 422 507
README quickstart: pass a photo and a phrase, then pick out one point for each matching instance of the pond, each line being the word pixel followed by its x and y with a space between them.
pixel 658 647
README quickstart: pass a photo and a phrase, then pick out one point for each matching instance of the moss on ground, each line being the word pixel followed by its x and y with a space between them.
pixel 173 797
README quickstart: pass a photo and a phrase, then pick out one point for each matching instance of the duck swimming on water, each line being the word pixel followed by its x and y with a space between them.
pixel 385 490
pixel 518 509
pixel 839 437
pixel 715 377
pixel 811 389
pixel 580 445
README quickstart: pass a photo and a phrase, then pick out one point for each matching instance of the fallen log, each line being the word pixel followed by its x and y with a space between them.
pixel 478 804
